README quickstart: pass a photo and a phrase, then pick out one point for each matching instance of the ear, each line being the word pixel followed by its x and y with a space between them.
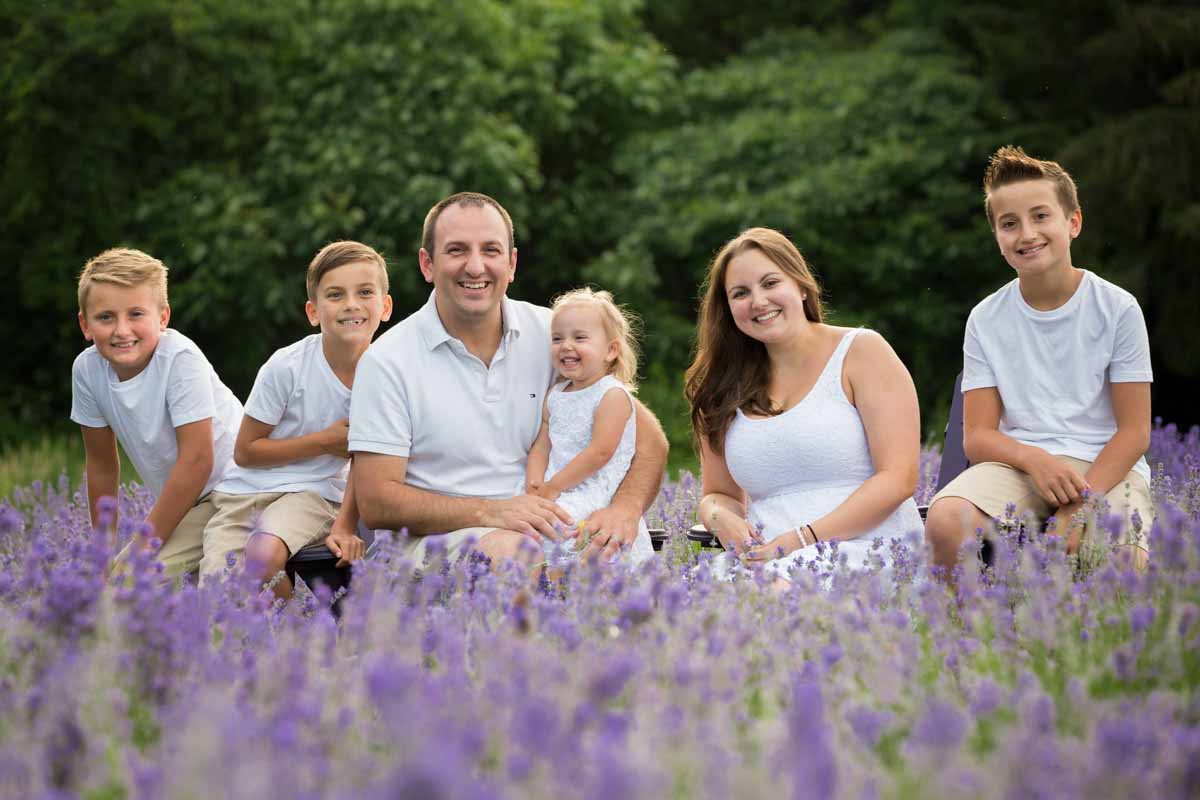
pixel 83 326
pixel 310 311
pixel 426 263
pixel 1075 221
pixel 164 316
pixel 387 308
pixel 614 350
pixel 512 266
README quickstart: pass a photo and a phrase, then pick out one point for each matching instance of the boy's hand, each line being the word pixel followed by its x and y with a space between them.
pixel 335 439
pixel 1057 482
pixel 345 544
pixel 1068 527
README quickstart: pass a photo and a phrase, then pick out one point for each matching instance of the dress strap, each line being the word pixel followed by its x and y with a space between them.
pixel 833 369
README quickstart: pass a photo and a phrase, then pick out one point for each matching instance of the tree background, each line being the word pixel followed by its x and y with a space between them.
pixel 628 139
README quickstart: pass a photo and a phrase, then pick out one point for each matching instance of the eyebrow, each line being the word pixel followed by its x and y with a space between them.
pixel 461 243
pixel 760 280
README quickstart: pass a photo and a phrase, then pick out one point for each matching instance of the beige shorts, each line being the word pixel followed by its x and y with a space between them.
pixel 991 486
pixel 183 551
pixel 298 519
pixel 456 543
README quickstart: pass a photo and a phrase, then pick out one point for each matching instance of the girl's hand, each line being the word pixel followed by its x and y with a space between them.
pixel 547 491
pixel 776 548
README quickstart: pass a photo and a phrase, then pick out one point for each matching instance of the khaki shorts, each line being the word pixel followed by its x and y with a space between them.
pixel 298 519
pixel 183 551
pixel 991 486
pixel 457 543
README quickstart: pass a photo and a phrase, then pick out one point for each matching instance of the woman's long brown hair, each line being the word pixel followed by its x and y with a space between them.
pixel 731 370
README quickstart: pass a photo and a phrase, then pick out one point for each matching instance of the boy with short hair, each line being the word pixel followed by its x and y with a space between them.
pixel 150 388
pixel 1056 376
pixel 292 473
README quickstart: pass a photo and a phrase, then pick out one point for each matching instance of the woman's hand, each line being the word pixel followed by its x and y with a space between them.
pixel 778 547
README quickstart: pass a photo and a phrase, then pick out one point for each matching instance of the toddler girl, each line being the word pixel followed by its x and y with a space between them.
pixel 586 442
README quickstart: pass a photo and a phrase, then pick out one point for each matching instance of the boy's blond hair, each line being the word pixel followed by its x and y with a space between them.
pixel 619 326
pixel 1011 164
pixel 125 267
pixel 339 254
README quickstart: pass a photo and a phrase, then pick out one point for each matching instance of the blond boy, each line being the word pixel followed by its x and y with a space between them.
pixel 291 483
pixel 151 389
pixel 1056 376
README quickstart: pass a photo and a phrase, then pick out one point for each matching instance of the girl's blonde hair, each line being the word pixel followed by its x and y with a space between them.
pixel 619 325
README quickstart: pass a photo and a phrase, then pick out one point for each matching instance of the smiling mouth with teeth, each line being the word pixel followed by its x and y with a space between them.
pixel 1029 251
pixel 480 285
pixel 770 315
pixel 355 322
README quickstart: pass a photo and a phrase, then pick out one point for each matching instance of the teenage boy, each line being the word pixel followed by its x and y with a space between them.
pixel 449 402
pixel 291 484
pixel 1056 376
pixel 151 389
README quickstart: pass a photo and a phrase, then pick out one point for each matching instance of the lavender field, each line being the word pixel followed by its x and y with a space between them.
pixel 1044 676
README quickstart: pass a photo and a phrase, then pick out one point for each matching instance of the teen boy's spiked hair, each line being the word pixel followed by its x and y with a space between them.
pixel 124 267
pixel 339 254
pixel 1011 164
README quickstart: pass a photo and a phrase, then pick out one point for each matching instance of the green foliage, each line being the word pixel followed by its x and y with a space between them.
pixel 868 157
pixel 232 140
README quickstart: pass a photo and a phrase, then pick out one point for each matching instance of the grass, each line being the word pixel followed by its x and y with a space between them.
pixel 47 457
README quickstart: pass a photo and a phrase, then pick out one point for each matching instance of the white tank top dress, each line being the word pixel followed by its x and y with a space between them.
pixel 800 465
pixel 572 417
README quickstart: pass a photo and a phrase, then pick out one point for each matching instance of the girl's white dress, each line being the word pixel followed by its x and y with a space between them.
pixel 802 464
pixel 572 417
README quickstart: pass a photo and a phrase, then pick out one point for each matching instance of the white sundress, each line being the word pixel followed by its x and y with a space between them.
pixel 572 417
pixel 800 465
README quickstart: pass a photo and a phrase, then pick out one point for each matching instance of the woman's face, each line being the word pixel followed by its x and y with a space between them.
pixel 766 303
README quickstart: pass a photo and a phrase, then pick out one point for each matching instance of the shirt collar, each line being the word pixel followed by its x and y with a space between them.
pixel 434 332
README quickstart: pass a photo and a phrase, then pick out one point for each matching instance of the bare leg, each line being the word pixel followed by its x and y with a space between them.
pixel 951 520
pixel 266 556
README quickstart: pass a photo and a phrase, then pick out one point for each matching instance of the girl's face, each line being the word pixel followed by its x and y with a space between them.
pixel 766 303
pixel 581 350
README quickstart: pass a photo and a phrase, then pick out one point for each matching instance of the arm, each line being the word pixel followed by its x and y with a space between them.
pixel 343 540
pixel 1131 407
pixel 636 493
pixel 1057 482
pixel 607 428
pixel 254 448
pixel 102 467
pixel 883 392
pixel 539 453
pixel 386 501
pixel 187 478
pixel 723 503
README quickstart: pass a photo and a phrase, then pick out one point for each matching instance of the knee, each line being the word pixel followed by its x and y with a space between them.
pixel 949 522
pixel 266 554
pixel 501 546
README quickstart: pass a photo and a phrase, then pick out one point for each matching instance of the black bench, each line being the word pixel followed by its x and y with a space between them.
pixel 317 566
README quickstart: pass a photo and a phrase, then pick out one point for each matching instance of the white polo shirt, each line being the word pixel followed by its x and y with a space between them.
pixel 464 427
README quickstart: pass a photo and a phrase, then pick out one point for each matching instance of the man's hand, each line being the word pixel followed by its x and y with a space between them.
pixel 1057 482
pixel 345 544
pixel 336 438
pixel 778 547
pixel 611 529
pixel 528 514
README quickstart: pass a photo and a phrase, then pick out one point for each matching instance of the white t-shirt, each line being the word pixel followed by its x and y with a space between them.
pixel 1053 368
pixel 465 428
pixel 298 393
pixel 176 388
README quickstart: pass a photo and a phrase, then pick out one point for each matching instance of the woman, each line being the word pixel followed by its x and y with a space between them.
pixel 817 425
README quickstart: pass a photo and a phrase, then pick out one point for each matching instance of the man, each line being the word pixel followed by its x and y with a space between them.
pixel 447 404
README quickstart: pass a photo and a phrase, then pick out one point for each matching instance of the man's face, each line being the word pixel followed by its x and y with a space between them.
pixel 471 266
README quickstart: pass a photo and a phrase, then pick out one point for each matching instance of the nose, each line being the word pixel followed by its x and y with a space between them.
pixel 123 326
pixel 475 264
